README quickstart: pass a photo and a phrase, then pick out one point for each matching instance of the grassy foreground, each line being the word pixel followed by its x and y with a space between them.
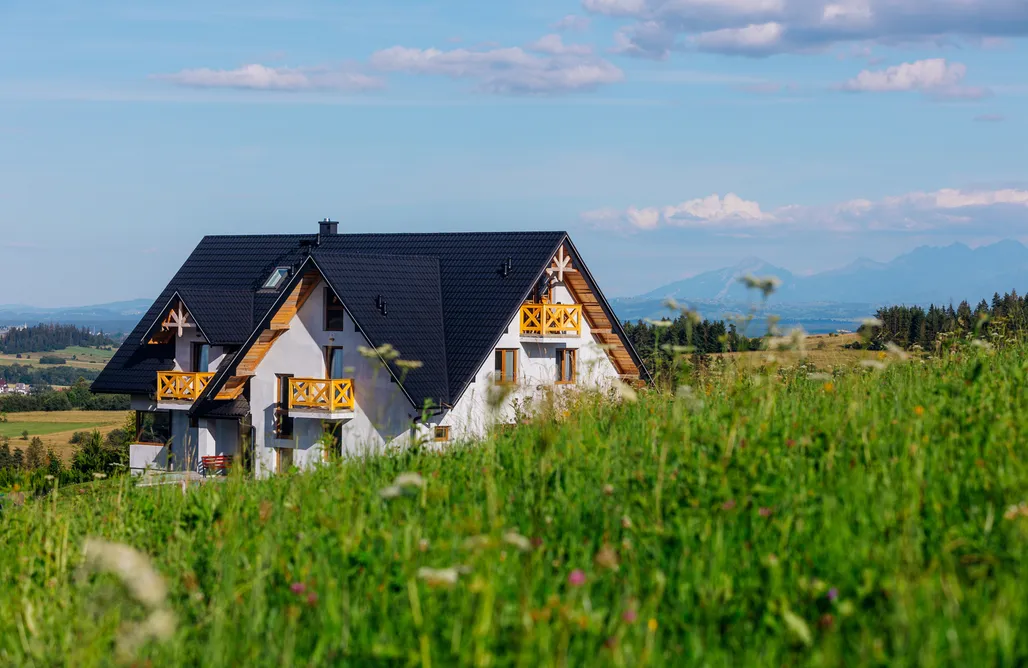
pixel 783 519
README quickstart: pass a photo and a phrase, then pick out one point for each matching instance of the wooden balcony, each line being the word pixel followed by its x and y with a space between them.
pixel 551 320
pixel 326 399
pixel 180 387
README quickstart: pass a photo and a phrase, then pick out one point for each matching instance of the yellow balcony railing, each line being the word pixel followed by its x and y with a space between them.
pixel 181 386
pixel 321 394
pixel 551 319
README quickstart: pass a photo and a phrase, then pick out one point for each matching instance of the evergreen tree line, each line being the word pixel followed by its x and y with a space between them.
pixel 76 396
pixel 32 375
pixel 659 343
pixel 46 337
pixel 39 469
pixel 909 326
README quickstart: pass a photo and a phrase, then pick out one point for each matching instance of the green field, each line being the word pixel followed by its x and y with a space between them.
pixel 88 358
pixel 14 429
pixel 868 518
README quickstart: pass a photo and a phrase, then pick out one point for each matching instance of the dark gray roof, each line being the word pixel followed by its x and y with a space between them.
pixel 447 297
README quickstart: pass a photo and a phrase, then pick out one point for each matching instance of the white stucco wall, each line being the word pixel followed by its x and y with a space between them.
pixel 382 415
pixel 472 415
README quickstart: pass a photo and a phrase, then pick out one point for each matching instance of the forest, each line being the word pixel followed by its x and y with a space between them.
pixel 46 337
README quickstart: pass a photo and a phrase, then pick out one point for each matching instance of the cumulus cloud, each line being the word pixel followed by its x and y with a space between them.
pixel 936 76
pixel 805 24
pixel 912 212
pixel 547 66
pixel 261 77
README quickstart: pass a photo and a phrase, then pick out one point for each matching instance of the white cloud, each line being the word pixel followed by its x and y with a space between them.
pixel 261 77
pixel 548 66
pixel 573 22
pixel 750 40
pixel 912 212
pixel 806 24
pixel 936 76
pixel 555 46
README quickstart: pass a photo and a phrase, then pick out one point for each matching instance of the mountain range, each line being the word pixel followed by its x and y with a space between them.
pixel 826 300
pixel 830 300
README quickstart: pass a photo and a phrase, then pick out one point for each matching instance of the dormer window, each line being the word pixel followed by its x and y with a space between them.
pixel 276 278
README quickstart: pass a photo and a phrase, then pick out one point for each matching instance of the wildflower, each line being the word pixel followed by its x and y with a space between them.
pixel 423 545
pixel 410 365
pixel 1013 512
pixel 298 587
pixel 765 512
pixel 652 625
pixel 608 489
pixel 312 599
pixel 728 505
pixel 438 577
pixel 874 364
pixel 918 411
pixel 576 578
pixel 626 522
pixel 48 477
pixel 829 387
pixel 99 476
pixel 390 492
pixel 518 541
pixel 833 594
pixel 826 621
pixel 629 616
pixel 607 558
pixel 819 376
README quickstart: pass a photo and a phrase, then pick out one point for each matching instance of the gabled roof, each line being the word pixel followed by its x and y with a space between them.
pixel 447 298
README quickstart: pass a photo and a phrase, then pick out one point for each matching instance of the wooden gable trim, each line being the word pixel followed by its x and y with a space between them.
pixel 170 318
pixel 277 325
pixel 606 329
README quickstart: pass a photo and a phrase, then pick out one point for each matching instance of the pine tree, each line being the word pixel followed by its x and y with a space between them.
pixel 35 454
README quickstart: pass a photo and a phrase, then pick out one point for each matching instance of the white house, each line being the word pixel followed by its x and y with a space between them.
pixel 278 350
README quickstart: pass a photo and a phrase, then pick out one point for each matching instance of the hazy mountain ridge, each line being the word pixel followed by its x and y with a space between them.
pixel 112 317
pixel 928 274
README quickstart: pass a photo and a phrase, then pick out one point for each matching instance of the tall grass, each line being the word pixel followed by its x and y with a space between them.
pixel 773 519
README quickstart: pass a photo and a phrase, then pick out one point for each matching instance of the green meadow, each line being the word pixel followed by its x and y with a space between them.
pixel 773 517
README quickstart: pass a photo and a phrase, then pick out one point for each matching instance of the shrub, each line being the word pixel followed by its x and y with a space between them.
pixel 52 359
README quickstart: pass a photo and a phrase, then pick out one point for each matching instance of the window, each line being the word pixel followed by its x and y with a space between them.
pixel 334 363
pixel 566 365
pixel 506 366
pixel 201 357
pixel 276 278
pixel 335 314
pixel 441 434
pixel 153 428
pixel 283 423
pixel 284 457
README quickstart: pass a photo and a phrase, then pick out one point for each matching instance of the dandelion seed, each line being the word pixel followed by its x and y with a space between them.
pixel 518 541
pixel 439 577
pixel 390 492
pixel 576 578
pixel 405 480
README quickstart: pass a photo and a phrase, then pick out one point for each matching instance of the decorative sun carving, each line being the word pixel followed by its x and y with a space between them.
pixel 178 318
pixel 560 264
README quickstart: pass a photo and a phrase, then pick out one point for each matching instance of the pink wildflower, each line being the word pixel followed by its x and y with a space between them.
pixel 576 578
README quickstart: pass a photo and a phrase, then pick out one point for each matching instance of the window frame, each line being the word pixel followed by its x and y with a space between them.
pixel 141 418
pixel 278 459
pixel 330 296
pixel 500 366
pixel 562 357
pixel 283 426
pixel 445 432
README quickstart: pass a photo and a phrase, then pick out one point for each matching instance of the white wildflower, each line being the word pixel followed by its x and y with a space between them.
pixel 518 541
pixel 439 577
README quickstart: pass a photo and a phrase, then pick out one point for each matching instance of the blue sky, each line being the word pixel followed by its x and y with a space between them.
pixel 668 136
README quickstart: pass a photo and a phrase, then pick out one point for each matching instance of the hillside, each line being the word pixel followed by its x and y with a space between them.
pixel 871 518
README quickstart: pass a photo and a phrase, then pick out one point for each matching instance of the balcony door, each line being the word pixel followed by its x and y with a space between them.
pixel 201 357
pixel 334 363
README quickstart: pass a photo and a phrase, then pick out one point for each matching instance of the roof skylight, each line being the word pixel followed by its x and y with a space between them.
pixel 276 278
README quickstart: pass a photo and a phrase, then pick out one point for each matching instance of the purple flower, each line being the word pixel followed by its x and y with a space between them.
pixel 297 587
pixel 312 599
pixel 576 578
pixel 629 616
pixel 833 594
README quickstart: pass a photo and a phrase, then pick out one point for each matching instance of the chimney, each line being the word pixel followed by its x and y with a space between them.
pixel 328 227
